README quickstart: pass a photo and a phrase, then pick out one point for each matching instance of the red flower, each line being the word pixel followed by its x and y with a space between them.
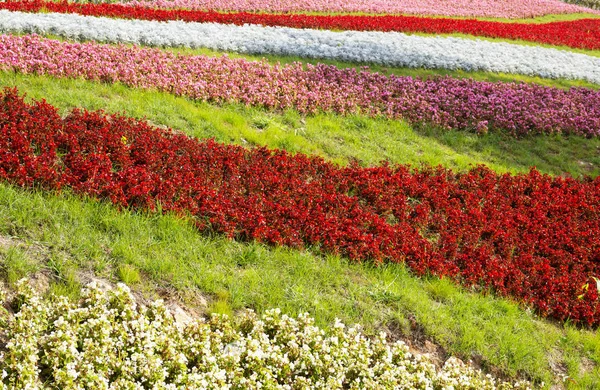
pixel 530 236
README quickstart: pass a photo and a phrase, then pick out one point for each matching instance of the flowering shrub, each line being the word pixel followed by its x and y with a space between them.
pixel 109 341
pixel 445 102
pixel 583 33
pixel 486 8
pixel 385 48
pixel 529 236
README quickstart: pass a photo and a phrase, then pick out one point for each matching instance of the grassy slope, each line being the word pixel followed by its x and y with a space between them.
pixel 337 138
pixel 64 234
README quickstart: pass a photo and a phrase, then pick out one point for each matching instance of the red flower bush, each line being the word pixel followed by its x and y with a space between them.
pixel 582 34
pixel 529 236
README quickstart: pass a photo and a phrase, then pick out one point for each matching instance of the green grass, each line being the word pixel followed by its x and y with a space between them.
pixel 16 263
pixel 337 138
pixel 67 236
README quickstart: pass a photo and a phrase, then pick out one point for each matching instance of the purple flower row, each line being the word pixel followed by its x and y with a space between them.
pixel 446 102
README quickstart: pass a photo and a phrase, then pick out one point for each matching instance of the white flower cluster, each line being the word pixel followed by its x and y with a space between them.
pixel 386 48
pixel 107 341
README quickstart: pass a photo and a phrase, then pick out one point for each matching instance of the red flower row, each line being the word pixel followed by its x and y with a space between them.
pixel 583 34
pixel 529 236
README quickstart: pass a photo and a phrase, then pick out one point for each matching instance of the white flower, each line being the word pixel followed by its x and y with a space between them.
pixel 132 352
pixel 385 48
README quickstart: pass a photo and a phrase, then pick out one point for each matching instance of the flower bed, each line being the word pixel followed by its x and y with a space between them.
pixel 594 4
pixel 482 8
pixel 385 48
pixel 449 103
pixel 107 340
pixel 584 33
pixel 529 236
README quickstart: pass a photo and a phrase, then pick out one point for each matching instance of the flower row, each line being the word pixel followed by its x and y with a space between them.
pixel 385 48
pixel 483 8
pixel 444 102
pixel 529 236
pixel 584 33
pixel 109 341
pixel 594 4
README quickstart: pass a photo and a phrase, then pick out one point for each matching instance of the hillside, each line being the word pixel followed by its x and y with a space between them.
pixel 428 170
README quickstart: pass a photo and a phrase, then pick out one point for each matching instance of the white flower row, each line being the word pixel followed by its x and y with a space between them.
pixel 107 341
pixel 385 48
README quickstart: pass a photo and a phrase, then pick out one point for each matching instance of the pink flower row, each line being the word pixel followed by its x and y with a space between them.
pixel 480 8
pixel 444 102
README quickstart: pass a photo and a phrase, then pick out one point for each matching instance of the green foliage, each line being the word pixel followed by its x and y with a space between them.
pixel 15 263
pixel 128 274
